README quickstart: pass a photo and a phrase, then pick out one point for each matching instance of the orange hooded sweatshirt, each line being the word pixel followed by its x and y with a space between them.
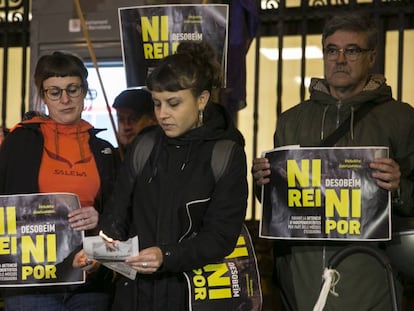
pixel 68 164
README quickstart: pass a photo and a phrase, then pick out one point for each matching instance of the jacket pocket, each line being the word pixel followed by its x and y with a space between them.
pixel 193 215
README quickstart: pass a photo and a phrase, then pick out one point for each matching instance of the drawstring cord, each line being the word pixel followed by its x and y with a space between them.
pixel 351 125
pixel 78 138
pixel 187 157
pixel 56 141
pixel 331 278
pixel 82 152
pixel 155 168
pixel 156 158
pixel 325 110
pixel 157 155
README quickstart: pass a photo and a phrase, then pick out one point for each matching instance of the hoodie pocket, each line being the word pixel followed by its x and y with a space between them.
pixel 193 216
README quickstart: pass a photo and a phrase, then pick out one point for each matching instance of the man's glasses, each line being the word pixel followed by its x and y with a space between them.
pixel 351 53
pixel 55 93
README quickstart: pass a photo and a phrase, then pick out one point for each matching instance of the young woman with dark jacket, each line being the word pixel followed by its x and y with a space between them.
pixel 183 217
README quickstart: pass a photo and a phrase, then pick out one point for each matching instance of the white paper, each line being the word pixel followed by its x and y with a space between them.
pixel 114 259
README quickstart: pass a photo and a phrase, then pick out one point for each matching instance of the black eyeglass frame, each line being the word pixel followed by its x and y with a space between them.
pixel 351 53
pixel 70 87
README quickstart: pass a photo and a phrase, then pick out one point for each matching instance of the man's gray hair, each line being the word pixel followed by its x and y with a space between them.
pixel 352 22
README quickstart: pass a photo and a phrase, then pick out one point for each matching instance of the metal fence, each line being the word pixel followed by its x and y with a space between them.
pixel 15 42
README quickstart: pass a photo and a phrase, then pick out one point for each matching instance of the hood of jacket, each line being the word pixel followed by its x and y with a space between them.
pixel 218 124
pixel 54 131
pixel 376 90
pixel 312 121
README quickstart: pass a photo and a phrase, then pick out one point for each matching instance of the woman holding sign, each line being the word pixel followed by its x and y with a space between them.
pixel 60 152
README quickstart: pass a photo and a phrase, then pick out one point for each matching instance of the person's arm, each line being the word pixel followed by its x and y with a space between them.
pixel 115 220
pixel 403 154
pixel 261 174
pixel 403 198
pixel 261 167
pixel 4 157
pixel 403 194
pixel 20 154
pixel 84 218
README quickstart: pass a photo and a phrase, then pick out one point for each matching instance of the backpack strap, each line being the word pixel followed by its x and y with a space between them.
pixel 332 139
pixel 143 150
pixel 220 157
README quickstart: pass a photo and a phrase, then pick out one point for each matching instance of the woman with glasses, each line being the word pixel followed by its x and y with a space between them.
pixel 60 152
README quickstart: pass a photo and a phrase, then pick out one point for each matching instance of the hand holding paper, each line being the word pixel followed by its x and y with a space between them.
pixel 111 253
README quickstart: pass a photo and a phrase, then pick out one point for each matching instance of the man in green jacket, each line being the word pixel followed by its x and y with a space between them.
pixel 349 50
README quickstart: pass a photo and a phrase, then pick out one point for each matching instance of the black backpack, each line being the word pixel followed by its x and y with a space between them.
pixel 220 155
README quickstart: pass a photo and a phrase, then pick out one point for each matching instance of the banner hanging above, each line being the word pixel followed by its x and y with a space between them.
pixel 149 33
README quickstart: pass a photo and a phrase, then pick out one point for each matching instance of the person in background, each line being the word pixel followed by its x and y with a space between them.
pixel 134 112
pixel 42 145
pixel 349 50
pixel 183 217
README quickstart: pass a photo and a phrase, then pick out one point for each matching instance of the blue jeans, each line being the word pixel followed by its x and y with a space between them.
pixel 58 302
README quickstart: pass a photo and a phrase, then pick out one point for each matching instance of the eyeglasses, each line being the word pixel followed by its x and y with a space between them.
pixel 55 93
pixel 351 53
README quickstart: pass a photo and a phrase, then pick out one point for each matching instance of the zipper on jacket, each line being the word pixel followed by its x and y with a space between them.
pixel 338 109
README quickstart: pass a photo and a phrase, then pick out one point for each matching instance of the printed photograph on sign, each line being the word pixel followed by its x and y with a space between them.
pixel 324 193
pixel 149 33
pixel 37 243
